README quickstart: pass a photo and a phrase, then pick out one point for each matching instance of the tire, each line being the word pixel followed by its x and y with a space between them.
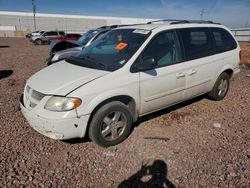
pixel 220 88
pixel 111 124
pixel 38 42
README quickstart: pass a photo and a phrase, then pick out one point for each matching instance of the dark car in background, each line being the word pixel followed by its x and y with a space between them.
pixel 46 36
pixel 64 49
pixel 84 40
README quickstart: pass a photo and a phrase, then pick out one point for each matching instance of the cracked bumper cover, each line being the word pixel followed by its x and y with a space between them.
pixel 61 129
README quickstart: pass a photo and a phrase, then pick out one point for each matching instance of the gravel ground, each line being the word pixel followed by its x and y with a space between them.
pixel 199 143
pixel 245 50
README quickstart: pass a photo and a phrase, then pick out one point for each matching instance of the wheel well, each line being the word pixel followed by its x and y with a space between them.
pixel 229 72
pixel 38 40
pixel 127 100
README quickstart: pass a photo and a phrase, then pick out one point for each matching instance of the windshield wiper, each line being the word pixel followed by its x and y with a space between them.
pixel 95 61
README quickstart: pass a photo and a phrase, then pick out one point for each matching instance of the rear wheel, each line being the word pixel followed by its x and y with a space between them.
pixel 111 124
pixel 220 88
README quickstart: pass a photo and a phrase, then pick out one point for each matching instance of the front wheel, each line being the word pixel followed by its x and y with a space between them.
pixel 220 88
pixel 38 42
pixel 111 124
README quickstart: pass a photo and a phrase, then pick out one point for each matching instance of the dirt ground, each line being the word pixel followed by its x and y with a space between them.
pixel 199 143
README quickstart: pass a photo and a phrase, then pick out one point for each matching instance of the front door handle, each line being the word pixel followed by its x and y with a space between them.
pixel 191 72
pixel 181 75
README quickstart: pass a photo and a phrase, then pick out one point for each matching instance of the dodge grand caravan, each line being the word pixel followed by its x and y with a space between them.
pixel 127 73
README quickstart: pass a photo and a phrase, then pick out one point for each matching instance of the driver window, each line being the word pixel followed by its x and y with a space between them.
pixel 163 49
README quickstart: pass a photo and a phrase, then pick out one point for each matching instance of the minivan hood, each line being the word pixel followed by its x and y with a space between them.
pixel 61 78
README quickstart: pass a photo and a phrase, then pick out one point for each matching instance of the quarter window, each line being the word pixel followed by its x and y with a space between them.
pixel 50 33
pixel 197 42
pixel 223 40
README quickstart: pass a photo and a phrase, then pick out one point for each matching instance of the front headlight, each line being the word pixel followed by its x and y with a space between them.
pixel 60 104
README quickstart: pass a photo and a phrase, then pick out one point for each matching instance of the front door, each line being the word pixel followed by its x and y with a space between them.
pixel 164 84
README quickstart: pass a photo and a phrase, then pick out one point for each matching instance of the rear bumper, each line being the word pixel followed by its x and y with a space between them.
pixel 61 129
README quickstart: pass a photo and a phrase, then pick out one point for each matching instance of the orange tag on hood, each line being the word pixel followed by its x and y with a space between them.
pixel 121 46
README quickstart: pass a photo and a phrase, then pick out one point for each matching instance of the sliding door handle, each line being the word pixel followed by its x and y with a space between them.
pixel 191 72
pixel 181 75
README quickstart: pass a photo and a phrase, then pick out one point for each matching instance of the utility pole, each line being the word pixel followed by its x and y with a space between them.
pixel 20 24
pixel 202 13
pixel 34 13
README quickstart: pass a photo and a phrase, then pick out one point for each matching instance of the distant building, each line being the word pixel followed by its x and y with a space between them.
pixel 19 23
pixel 23 21
pixel 242 35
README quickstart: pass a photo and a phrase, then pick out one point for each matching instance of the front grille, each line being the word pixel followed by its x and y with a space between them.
pixel 32 97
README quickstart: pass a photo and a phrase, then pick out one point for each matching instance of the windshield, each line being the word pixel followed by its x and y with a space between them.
pixel 84 39
pixel 112 50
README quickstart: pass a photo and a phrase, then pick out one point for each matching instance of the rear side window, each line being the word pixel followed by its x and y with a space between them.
pixel 52 33
pixel 197 42
pixel 61 33
pixel 223 40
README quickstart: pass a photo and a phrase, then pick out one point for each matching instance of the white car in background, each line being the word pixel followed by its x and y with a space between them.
pixel 34 33
pixel 127 73
pixel 37 33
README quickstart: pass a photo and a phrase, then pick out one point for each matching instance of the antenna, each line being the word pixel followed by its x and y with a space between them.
pixel 34 13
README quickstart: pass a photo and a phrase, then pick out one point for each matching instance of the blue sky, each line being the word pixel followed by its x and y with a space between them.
pixel 229 12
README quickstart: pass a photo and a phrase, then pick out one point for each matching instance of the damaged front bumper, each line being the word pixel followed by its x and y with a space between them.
pixel 61 129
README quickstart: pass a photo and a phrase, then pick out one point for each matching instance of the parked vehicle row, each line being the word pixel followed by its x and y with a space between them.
pixel 45 37
pixel 64 49
pixel 129 72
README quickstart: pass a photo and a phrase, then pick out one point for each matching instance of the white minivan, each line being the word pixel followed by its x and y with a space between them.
pixel 127 73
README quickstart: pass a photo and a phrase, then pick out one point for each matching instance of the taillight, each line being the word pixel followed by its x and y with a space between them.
pixel 240 55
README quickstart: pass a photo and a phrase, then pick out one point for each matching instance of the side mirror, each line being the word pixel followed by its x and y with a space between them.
pixel 147 63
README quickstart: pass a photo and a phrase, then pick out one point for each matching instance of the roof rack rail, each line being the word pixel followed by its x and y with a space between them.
pixel 182 21
pixel 108 27
pixel 116 26
pixel 164 20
